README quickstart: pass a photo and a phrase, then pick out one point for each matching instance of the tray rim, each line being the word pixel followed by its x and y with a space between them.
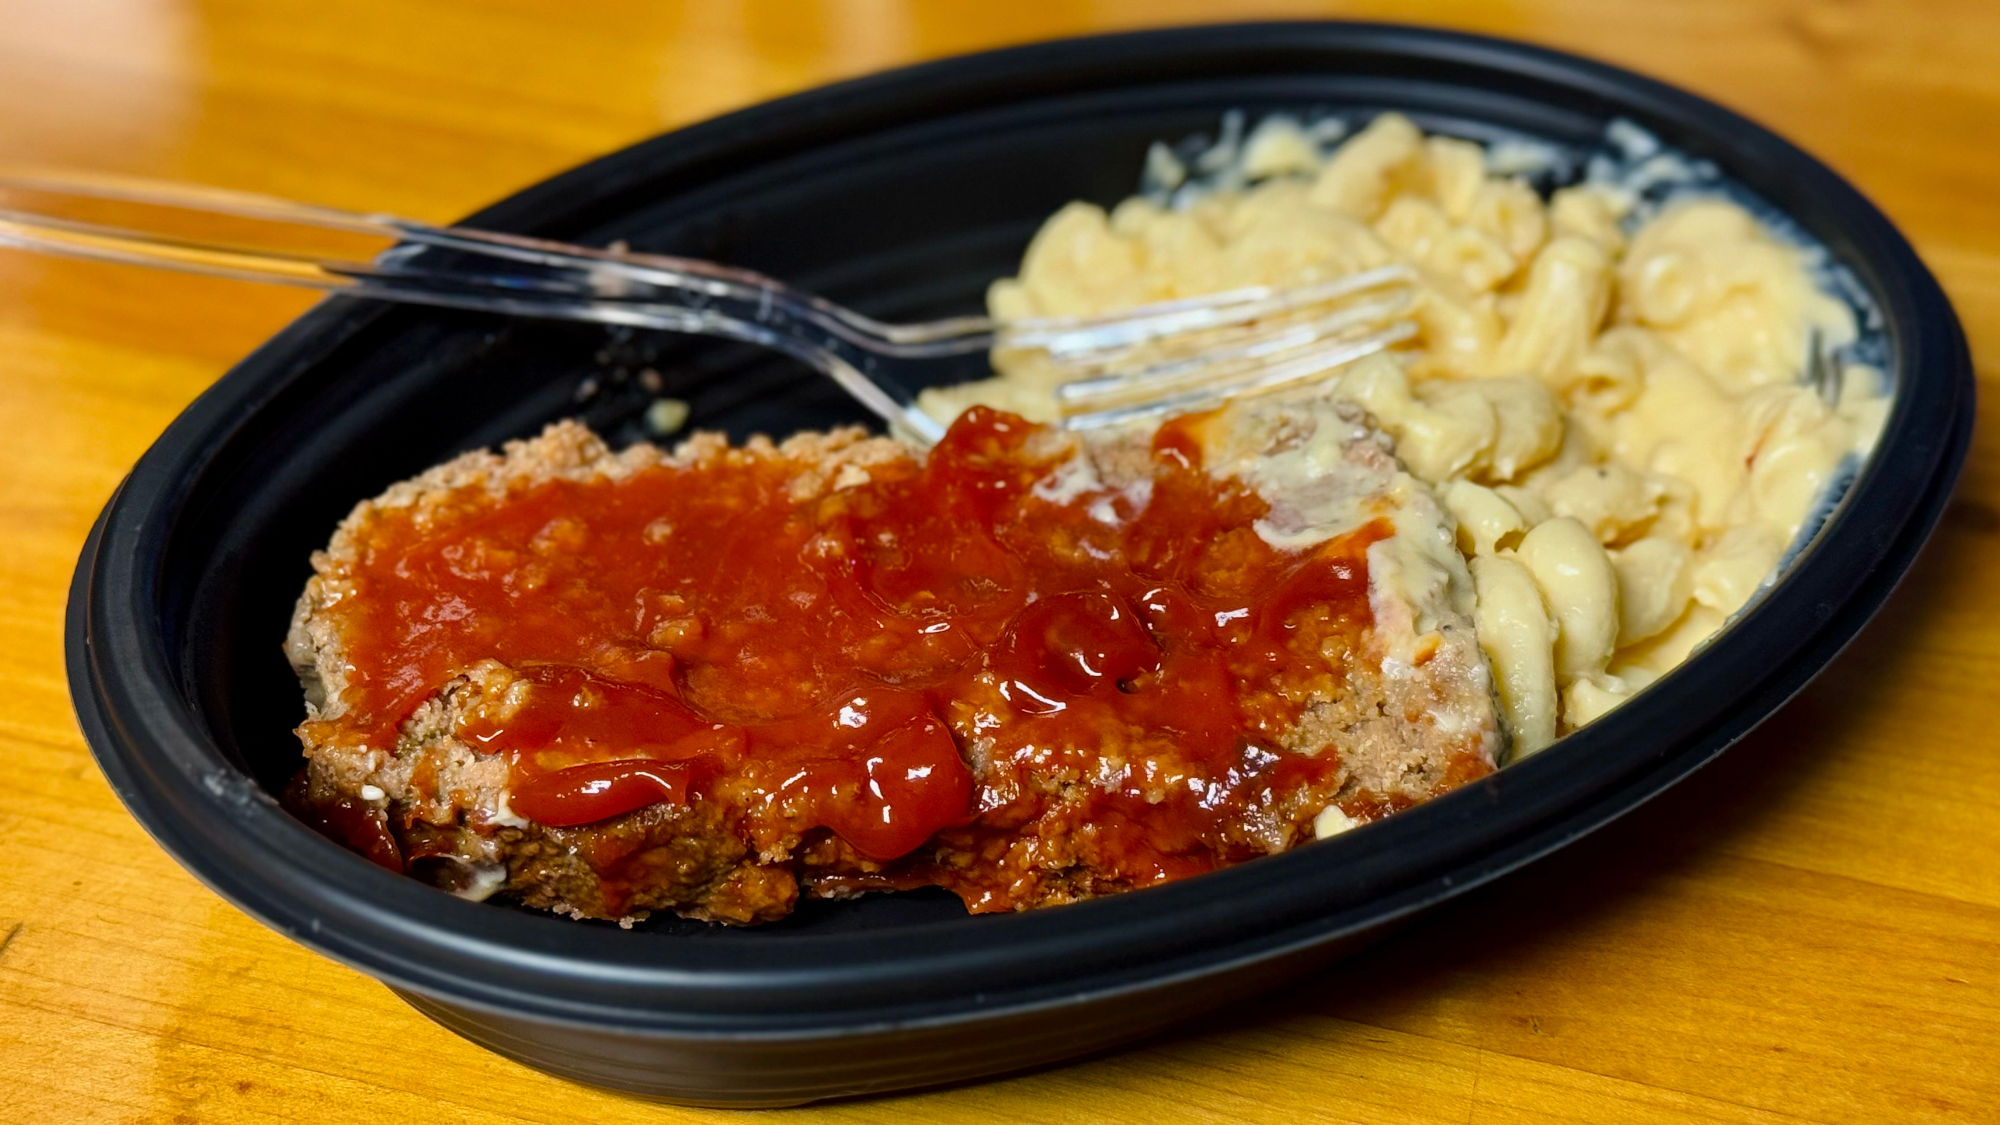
pixel 172 794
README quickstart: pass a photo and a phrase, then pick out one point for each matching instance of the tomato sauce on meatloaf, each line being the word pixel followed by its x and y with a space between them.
pixel 1018 667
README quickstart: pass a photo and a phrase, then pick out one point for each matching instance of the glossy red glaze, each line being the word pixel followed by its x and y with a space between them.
pixel 361 825
pixel 1127 661
pixel 1065 647
pixel 598 790
pixel 1178 440
pixel 569 713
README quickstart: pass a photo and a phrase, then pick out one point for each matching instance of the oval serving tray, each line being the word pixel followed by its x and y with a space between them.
pixel 903 194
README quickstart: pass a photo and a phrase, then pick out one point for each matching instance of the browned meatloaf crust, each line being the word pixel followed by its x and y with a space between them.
pixel 1412 717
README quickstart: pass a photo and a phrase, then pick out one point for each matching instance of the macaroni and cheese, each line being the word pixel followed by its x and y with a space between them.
pixel 1606 396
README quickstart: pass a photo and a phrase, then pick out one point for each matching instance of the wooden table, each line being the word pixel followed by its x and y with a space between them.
pixel 1808 931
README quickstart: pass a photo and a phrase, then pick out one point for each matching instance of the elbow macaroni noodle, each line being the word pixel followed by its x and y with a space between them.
pixel 1613 416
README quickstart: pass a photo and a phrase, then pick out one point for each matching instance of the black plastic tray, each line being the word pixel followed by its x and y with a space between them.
pixel 903 193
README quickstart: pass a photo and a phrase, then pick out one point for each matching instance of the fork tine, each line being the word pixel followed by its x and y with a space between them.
pixel 1257 378
pixel 1067 338
pixel 1261 346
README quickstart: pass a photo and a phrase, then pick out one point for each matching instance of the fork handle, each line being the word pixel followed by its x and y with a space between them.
pixel 561 268
pixel 142 240
pixel 537 277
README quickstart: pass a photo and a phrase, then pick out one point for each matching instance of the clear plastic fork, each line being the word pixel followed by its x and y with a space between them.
pixel 1150 360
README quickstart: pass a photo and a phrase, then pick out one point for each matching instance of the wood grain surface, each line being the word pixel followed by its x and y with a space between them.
pixel 1807 931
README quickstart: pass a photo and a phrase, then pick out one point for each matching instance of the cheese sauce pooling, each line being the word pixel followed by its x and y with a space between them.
pixel 915 659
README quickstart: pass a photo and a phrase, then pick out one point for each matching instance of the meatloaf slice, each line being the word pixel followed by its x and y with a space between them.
pixel 1092 665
